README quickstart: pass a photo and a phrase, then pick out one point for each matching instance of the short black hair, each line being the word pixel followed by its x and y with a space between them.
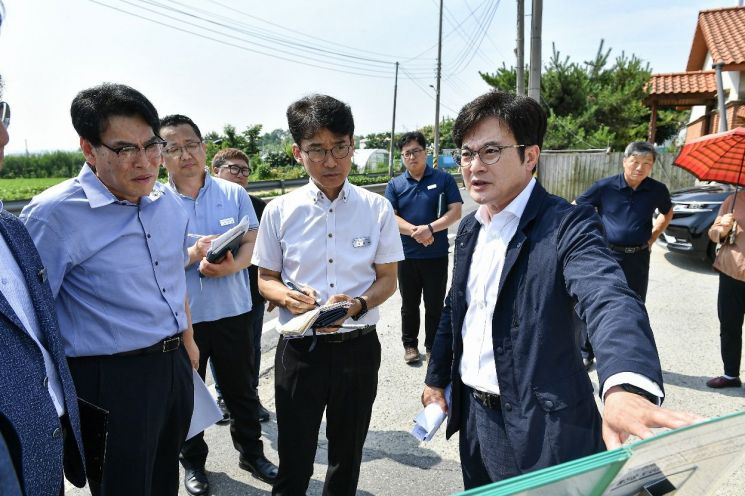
pixel 92 108
pixel 310 114
pixel 524 117
pixel 174 120
pixel 640 148
pixel 412 136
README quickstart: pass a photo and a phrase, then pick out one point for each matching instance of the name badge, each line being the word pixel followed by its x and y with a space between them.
pixel 227 222
pixel 432 186
pixel 360 242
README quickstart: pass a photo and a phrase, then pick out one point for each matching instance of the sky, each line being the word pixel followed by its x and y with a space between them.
pixel 243 62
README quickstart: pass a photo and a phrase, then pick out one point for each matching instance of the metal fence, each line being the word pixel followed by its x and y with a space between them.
pixel 569 174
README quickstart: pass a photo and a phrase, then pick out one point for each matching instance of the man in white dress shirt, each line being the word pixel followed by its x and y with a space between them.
pixel 336 242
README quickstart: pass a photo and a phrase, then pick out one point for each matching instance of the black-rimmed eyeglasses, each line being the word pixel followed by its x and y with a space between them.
pixel 488 154
pixel 319 154
pixel 237 169
pixel 130 151
pixel 412 153
pixel 5 114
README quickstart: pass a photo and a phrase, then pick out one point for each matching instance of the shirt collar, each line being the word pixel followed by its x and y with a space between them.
pixel 98 194
pixel 207 183
pixel 623 184
pixel 428 171
pixel 316 194
pixel 514 209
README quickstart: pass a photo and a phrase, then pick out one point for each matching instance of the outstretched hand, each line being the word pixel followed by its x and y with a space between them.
pixel 628 414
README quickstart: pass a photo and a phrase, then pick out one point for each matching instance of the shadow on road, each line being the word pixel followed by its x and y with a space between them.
pixel 690 263
pixel 227 485
pixel 698 383
pixel 399 446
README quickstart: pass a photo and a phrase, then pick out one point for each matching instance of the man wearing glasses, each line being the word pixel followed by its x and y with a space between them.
pixel 113 242
pixel 416 196
pixel 39 420
pixel 232 165
pixel 337 242
pixel 219 297
pixel 521 397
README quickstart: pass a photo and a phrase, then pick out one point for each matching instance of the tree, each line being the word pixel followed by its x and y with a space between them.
pixel 596 103
pixel 446 134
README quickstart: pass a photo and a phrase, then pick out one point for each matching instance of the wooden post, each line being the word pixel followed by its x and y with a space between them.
pixel 653 123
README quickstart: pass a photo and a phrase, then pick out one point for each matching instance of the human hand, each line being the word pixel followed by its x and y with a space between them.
pixel 726 222
pixel 193 351
pixel 298 302
pixel 422 235
pixel 433 394
pixel 202 246
pixel 628 414
pixel 223 268
pixel 334 327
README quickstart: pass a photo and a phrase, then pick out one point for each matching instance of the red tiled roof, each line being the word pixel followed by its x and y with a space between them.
pixel 721 32
pixel 682 83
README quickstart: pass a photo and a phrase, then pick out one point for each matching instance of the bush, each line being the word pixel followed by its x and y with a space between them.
pixel 50 164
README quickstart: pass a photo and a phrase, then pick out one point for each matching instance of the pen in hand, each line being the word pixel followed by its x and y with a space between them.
pixel 295 287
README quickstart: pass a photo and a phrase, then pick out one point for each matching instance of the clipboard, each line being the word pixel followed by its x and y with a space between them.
pixel 228 241
pixel 442 206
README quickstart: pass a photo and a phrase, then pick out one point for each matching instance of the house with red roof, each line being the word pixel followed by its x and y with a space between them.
pixel 719 40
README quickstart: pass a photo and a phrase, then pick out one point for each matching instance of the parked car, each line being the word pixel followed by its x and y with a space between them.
pixel 694 211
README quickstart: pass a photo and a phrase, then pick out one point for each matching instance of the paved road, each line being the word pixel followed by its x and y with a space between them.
pixel 682 308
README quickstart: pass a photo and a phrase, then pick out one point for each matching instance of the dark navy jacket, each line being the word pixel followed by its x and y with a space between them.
pixel 24 398
pixel 557 258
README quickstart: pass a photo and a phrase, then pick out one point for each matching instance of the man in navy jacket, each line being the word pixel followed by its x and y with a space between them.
pixel 521 397
pixel 39 420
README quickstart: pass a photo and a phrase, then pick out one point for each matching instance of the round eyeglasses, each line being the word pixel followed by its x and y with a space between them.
pixel 488 154
pixel 319 154
pixel 5 113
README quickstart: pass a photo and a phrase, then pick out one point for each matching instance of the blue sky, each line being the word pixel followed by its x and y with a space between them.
pixel 51 49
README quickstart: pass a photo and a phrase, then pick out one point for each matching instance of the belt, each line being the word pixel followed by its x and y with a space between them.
pixel 628 249
pixel 163 346
pixel 489 400
pixel 340 337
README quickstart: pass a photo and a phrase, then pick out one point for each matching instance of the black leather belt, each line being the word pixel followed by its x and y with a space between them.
pixel 164 346
pixel 628 249
pixel 487 399
pixel 340 337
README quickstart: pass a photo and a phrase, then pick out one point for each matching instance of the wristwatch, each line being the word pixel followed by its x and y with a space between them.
pixel 641 392
pixel 363 310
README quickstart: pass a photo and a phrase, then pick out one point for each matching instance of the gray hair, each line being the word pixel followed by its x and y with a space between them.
pixel 640 148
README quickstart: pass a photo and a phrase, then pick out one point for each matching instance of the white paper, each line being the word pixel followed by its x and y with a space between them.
pixel 225 238
pixel 429 419
pixel 206 412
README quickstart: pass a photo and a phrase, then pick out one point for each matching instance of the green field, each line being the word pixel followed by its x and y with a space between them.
pixel 24 189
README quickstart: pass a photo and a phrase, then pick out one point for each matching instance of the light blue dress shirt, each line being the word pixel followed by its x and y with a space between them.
pixel 218 207
pixel 14 289
pixel 116 268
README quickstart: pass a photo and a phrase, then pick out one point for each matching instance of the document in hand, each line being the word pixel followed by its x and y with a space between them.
pixel 228 241
pixel 318 317
pixel 430 419
pixel 690 461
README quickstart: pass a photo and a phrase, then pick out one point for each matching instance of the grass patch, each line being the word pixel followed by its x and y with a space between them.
pixel 26 188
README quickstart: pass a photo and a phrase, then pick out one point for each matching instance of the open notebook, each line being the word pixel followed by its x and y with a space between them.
pixel 322 316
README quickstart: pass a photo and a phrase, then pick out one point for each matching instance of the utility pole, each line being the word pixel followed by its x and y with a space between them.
pixel 720 97
pixel 393 125
pixel 436 156
pixel 534 82
pixel 520 50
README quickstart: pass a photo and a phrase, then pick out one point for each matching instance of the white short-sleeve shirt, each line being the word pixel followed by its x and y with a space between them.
pixel 331 246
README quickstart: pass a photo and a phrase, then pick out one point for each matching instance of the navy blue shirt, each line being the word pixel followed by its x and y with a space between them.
pixel 416 202
pixel 627 213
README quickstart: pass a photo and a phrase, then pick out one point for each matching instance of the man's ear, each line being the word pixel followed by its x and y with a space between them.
pixel 297 153
pixel 532 153
pixel 88 152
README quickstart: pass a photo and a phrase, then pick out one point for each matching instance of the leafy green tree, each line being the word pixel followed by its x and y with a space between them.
pixel 596 103
pixel 446 134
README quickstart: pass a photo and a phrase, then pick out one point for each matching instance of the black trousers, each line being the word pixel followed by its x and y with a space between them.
pixel 150 399
pixel 340 378
pixel 229 343
pixel 731 310
pixel 417 276
pixel 635 267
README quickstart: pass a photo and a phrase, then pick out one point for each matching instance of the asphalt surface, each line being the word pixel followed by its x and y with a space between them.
pixel 682 308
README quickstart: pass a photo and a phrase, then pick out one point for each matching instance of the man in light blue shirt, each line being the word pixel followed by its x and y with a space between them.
pixel 113 243
pixel 220 298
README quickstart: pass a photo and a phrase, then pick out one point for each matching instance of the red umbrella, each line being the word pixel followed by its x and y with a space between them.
pixel 716 157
